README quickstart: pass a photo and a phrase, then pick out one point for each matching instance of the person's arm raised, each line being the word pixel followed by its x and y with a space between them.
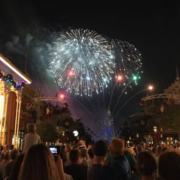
pixel 59 166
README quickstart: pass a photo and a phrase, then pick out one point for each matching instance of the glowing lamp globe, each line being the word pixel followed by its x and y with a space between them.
pixel 75 133
pixel 150 87
pixel 155 129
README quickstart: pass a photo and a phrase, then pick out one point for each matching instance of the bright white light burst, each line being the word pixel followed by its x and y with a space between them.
pixel 80 61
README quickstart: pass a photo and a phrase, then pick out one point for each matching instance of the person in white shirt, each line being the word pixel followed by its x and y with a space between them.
pixel 31 138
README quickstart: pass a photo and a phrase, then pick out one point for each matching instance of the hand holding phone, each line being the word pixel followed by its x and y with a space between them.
pixel 55 158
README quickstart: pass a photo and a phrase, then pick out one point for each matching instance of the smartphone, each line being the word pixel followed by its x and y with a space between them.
pixel 55 149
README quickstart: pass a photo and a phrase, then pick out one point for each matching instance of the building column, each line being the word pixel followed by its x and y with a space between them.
pixel 17 120
pixel 2 105
pixel 4 124
pixel 15 127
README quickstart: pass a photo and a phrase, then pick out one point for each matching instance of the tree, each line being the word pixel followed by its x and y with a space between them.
pixel 47 131
pixel 170 118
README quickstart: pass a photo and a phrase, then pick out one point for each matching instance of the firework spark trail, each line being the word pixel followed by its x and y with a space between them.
pixel 83 106
pixel 112 94
pixel 120 97
pixel 103 97
pixel 90 103
pixel 128 101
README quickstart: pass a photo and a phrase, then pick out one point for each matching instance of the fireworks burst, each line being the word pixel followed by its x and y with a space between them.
pixel 83 61
pixel 128 61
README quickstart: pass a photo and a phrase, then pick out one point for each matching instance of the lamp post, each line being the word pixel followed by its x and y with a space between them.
pixel 156 134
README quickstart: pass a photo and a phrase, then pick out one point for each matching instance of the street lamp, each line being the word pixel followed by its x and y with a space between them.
pixel 75 133
pixel 63 133
pixel 155 129
pixel 150 87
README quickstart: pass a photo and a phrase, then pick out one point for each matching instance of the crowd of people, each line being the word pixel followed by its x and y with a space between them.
pixel 98 161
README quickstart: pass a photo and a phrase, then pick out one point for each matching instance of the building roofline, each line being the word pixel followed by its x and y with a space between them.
pixel 8 63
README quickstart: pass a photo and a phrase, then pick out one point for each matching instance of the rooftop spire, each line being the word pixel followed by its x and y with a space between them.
pixel 177 73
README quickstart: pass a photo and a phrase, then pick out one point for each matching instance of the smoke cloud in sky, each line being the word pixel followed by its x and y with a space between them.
pixel 37 44
pixel 28 39
pixel 11 47
pixel 15 39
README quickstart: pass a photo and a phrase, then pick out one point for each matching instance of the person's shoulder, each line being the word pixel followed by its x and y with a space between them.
pixel 128 154
pixel 67 169
pixel 37 135
pixel 79 166
pixel 68 177
pixel 73 166
pixel 26 136
pixel 9 164
pixel 83 167
pixel 1 166
pixel 97 167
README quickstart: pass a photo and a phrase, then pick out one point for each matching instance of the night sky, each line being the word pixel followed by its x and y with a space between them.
pixel 152 27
